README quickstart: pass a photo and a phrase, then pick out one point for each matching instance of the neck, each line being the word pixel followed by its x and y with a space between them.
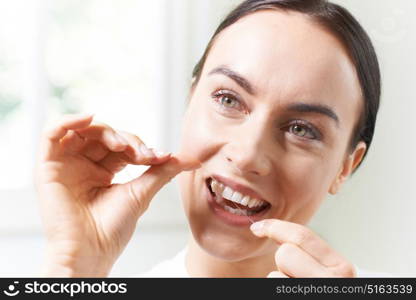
pixel 201 264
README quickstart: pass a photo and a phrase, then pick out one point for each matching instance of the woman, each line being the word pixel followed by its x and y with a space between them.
pixel 282 111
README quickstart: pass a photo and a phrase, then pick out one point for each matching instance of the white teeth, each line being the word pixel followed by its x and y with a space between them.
pixel 236 211
pixel 245 200
pixel 230 209
pixel 254 203
pixel 214 186
pixel 217 187
pixel 239 212
pixel 227 193
pixel 250 203
pixel 223 191
pixel 237 197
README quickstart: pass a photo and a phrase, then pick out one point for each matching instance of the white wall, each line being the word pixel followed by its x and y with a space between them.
pixel 371 221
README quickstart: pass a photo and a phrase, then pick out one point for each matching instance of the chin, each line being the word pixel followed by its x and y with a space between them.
pixel 229 246
pixel 216 232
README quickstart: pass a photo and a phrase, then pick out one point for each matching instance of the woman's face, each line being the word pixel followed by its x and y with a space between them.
pixel 271 118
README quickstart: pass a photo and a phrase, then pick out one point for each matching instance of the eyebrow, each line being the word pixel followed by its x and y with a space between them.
pixel 297 107
pixel 240 80
pixel 314 108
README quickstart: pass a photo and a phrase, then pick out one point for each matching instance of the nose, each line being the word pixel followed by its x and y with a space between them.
pixel 248 156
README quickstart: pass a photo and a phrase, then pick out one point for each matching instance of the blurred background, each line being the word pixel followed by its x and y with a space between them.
pixel 130 63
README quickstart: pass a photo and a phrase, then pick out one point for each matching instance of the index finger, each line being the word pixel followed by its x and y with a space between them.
pixel 52 136
pixel 288 232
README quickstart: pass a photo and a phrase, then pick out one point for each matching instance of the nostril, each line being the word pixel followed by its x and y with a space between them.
pixel 255 165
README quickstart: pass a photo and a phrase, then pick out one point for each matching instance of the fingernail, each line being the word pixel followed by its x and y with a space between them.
pixel 160 153
pixel 121 139
pixel 86 115
pixel 257 227
pixel 146 151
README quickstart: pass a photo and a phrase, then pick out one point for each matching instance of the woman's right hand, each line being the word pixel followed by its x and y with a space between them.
pixel 88 220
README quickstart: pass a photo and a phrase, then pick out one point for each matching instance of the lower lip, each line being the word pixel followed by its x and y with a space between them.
pixel 230 218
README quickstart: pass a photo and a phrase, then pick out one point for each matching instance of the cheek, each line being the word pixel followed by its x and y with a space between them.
pixel 199 139
pixel 185 186
pixel 306 184
pixel 305 178
pixel 201 135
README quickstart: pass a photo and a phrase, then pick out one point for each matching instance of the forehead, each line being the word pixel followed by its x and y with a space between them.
pixel 287 56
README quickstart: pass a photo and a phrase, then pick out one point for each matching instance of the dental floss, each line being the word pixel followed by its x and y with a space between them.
pixel 235 205
pixel 242 211
pixel 248 217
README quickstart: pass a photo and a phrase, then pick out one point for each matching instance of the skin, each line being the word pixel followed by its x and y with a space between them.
pixel 88 221
pixel 294 173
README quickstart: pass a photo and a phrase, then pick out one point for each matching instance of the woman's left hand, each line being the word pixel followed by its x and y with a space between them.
pixel 302 253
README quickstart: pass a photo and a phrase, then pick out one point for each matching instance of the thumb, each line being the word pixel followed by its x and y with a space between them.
pixel 143 189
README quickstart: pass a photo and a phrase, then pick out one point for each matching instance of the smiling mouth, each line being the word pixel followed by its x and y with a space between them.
pixel 235 202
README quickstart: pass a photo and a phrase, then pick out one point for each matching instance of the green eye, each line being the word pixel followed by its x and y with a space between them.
pixel 304 131
pixel 228 102
pixel 299 130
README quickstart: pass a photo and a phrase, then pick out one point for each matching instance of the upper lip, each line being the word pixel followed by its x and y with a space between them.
pixel 243 189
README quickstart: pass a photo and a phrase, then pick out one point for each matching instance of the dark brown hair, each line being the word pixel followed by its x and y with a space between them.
pixel 346 28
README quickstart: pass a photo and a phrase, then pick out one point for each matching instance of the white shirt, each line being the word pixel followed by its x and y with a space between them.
pixel 175 267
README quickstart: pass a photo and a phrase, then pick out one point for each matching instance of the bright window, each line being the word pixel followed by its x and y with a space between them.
pixel 72 56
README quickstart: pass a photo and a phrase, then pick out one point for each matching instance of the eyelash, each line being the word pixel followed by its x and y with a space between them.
pixel 304 124
pixel 308 127
pixel 226 93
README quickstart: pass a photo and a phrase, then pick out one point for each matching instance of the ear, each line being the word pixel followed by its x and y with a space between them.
pixel 350 163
